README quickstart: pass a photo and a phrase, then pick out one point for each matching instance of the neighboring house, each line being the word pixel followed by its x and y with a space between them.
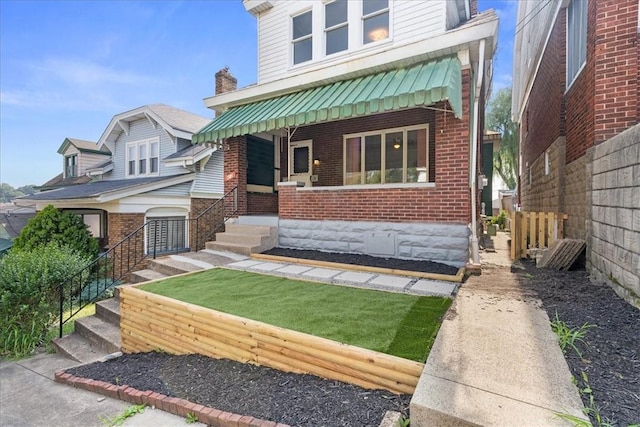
pixel 78 157
pixel 372 110
pixel 11 224
pixel 490 146
pixel 575 97
pixel 154 173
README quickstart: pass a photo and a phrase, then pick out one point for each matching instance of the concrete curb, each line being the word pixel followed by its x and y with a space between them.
pixel 173 405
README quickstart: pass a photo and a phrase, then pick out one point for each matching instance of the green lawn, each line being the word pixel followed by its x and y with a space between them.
pixel 397 324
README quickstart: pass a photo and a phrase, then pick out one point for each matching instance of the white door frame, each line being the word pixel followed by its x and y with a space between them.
pixel 301 177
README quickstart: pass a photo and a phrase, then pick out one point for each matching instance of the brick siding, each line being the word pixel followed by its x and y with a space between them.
pixel 207 225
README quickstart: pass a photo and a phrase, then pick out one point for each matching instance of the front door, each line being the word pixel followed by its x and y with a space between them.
pixel 301 158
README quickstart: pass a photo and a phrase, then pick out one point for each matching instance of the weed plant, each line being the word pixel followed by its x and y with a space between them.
pixel 569 337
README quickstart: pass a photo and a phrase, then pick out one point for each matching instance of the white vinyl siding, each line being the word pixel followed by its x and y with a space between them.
pixel 175 190
pixel 409 20
pixel 84 160
pixel 210 179
pixel 576 38
pixel 140 130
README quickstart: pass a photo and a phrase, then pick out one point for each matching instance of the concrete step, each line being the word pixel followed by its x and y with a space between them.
pixel 116 293
pixel 238 248
pixel 104 335
pixel 109 310
pixel 145 275
pixel 262 230
pixel 230 237
pixel 76 347
pixel 269 220
pixel 215 258
pixel 170 267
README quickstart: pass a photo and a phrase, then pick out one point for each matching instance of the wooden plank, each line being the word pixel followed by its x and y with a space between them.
pixel 523 235
pixel 533 235
pixel 541 229
pixel 551 228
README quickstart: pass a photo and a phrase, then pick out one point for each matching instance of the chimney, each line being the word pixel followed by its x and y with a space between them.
pixel 225 82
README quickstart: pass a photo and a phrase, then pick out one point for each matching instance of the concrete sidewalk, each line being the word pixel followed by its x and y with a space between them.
pixel 495 361
pixel 30 397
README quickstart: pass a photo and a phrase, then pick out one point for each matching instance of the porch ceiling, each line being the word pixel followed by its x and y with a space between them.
pixel 423 84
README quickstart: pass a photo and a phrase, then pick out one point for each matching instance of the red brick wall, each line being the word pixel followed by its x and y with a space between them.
pixel 122 224
pixel 448 201
pixel 328 140
pixel 262 203
pixel 616 67
pixel 543 119
pixel 235 170
pixel 203 229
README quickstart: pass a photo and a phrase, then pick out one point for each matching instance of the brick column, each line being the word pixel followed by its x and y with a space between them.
pixel 235 169
pixel 205 227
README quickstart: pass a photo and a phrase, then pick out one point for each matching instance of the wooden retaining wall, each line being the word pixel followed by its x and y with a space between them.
pixel 153 322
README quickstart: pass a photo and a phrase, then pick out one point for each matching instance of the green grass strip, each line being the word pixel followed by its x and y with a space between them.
pixel 397 324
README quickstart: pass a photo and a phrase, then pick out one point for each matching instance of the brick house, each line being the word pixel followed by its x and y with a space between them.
pixel 362 131
pixel 152 172
pixel 575 98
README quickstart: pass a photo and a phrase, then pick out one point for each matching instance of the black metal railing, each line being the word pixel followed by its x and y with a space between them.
pixel 156 237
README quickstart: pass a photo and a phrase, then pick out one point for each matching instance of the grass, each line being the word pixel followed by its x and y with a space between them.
pixel 398 324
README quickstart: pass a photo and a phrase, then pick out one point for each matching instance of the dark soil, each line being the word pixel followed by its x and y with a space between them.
pixel 368 260
pixel 261 392
pixel 611 349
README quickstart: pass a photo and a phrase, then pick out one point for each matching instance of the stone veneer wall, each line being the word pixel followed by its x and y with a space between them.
pixel 575 198
pixel 615 224
pixel 547 196
pixel 445 243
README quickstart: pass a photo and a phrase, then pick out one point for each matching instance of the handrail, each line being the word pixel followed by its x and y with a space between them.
pixel 156 236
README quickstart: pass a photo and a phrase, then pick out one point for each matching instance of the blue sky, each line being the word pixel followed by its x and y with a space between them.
pixel 66 67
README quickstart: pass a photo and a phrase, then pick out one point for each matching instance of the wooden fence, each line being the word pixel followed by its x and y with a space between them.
pixel 534 230
pixel 153 322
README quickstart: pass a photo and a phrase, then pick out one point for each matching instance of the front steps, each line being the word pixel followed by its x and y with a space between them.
pixel 99 335
pixel 245 239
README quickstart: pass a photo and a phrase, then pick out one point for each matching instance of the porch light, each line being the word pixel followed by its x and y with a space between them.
pixel 378 34
pixel 316 162
pixel 396 144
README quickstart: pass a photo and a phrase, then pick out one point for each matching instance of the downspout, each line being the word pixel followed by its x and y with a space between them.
pixel 475 248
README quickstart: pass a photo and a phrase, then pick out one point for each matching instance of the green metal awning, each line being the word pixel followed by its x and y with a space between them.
pixel 420 85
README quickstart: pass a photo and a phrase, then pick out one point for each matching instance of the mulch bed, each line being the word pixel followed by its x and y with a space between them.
pixel 366 260
pixel 261 392
pixel 611 353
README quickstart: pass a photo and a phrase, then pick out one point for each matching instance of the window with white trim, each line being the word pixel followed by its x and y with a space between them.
pixel 143 157
pixel 302 37
pixel 576 38
pixel 71 166
pixel 375 20
pixel 391 156
pixel 336 27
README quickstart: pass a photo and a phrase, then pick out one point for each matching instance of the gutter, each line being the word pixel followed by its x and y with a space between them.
pixel 475 248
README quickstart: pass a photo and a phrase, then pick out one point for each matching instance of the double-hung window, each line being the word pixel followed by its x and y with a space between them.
pixel 302 38
pixel 143 157
pixel 391 156
pixel 336 27
pixel 71 166
pixel 576 38
pixel 375 20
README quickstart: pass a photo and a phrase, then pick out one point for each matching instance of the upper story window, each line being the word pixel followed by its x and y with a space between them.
pixel 375 20
pixel 143 157
pixel 302 37
pixel 390 156
pixel 336 27
pixel 71 166
pixel 576 38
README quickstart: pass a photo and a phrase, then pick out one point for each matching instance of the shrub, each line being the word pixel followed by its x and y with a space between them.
pixel 53 225
pixel 29 294
pixel 500 220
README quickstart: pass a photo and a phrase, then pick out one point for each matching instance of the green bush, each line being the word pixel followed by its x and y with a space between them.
pixel 53 225
pixel 29 294
pixel 500 220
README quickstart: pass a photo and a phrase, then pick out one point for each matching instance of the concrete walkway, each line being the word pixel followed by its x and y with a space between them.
pixel 495 361
pixel 30 397
pixel 360 279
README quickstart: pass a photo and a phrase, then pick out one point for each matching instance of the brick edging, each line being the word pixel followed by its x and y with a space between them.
pixel 174 405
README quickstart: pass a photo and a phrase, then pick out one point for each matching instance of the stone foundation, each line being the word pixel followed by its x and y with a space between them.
pixel 445 243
